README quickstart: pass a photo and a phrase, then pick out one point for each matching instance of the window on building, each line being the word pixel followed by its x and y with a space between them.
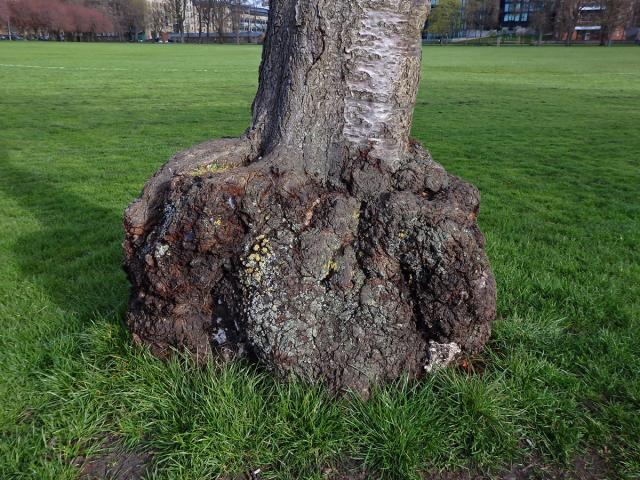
pixel 518 10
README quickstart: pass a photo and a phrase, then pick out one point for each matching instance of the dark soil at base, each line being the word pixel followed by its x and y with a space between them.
pixel 114 462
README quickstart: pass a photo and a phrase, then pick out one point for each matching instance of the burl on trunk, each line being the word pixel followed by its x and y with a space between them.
pixel 324 242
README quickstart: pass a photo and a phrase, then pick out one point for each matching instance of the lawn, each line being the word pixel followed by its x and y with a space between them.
pixel 551 136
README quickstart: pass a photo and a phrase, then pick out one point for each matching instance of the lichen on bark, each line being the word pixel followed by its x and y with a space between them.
pixel 325 243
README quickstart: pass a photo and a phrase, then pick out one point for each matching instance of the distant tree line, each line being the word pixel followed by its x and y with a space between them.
pixel 54 18
pixel 125 19
pixel 558 18
pixel 452 16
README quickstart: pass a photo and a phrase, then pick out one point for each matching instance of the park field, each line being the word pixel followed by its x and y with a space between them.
pixel 551 136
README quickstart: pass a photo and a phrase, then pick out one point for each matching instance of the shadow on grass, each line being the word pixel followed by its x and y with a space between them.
pixel 66 244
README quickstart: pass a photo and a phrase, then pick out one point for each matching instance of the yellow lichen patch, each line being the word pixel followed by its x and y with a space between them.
pixel 255 261
pixel 210 168
pixel 218 222
pixel 402 235
pixel 329 267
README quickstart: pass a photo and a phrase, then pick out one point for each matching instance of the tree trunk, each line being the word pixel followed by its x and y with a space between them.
pixel 570 32
pixel 220 30
pixel 325 242
pixel 314 98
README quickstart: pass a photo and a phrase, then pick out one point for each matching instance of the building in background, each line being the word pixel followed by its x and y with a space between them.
pixel 206 21
pixel 588 25
pixel 517 13
pixel 254 19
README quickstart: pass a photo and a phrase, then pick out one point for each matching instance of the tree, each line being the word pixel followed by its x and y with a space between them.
pixel 324 242
pixel 635 20
pixel 445 19
pixel 178 11
pixel 55 17
pixel 158 17
pixel 567 15
pixel 201 8
pixel 226 13
pixel 214 12
pixel 237 8
pixel 5 15
pixel 615 15
pixel 482 14
pixel 542 19
pixel 207 7
pixel 135 17
pixel 130 17
pixel 205 10
pixel 219 16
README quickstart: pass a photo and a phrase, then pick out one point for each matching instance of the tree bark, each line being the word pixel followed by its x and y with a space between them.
pixel 324 243
pixel 347 73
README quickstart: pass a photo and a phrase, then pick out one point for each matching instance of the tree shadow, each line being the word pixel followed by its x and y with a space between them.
pixel 73 249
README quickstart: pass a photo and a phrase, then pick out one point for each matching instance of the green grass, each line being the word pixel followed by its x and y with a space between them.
pixel 549 135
